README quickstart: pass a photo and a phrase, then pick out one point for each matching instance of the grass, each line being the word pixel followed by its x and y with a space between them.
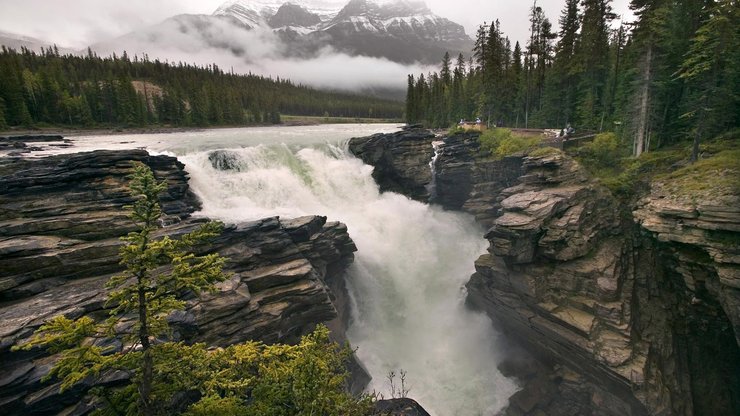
pixel 545 151
pixel 499 143
pixel 716 176
pixel 716 173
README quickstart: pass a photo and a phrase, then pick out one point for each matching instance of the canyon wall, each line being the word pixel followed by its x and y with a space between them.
pixel 60 222
pixel 629 310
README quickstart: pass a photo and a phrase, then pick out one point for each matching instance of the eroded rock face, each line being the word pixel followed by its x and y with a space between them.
pixel 466 181
pixel 628 313
pixel 60 219
pixel 575 280
pixel 693 242
pixel 401 160
pixel 554 279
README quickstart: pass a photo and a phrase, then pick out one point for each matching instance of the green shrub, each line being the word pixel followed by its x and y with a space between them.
pixel 455 129
pixel 218 406
pixel 500 142
pixel 603 151
pixel 273 380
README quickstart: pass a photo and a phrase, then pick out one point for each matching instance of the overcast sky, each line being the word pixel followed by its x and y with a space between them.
pixel 78 23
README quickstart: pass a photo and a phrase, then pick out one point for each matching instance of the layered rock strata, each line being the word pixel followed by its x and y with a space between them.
pixel 401 160
pixel 60 222
pixel 20 145
pixel 628 313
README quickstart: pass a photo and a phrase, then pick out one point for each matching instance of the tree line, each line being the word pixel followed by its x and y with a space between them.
pixel 671 74
pixel 53 89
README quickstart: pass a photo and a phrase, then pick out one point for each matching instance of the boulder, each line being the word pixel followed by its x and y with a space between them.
pixel 399 407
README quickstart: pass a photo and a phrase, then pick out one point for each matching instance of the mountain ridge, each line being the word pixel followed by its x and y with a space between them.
pixel 402 31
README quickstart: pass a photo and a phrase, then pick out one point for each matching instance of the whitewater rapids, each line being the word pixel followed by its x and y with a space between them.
pixel 407 281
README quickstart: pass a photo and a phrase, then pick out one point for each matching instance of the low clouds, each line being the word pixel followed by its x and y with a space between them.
pixel 205 39
pixel 79 23
pixel 513 15
pixel 339 71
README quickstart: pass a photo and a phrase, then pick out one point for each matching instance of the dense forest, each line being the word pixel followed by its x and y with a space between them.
pixel 671 74
pixel 53 89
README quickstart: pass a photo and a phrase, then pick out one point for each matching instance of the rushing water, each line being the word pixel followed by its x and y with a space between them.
pixel 407 281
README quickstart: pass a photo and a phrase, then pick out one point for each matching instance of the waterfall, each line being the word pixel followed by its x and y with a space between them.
pixel 407 281
pixel 432 187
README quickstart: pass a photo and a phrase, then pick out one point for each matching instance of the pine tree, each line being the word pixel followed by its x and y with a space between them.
pixel 445 73
pixel 711 69
pixel 411 101
pixel 479 49
pixel 593 57
pixel 457 95
pixel 518 79
pixel 11 92
pixel 145 291
pixel 649 13
pixel 560 94
pixel 422 96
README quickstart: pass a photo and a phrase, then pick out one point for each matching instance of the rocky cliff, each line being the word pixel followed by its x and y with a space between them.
pixel 401 160
pixel 60 220
pixel 629 311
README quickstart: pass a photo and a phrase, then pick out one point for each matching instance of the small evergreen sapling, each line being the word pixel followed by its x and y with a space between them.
pixel 158 272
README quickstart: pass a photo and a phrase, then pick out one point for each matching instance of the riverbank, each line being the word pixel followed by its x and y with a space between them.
pixel 288 121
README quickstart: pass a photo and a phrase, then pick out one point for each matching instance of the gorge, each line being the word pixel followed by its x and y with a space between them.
pixel 634 303
pixel 62 216
pixel 619 312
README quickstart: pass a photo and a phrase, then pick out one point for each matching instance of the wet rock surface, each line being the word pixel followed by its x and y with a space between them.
pixel 399 407
pixel 401 160
pixel 626 310
pixel 60 222
pixel 15 146
pixel 573 277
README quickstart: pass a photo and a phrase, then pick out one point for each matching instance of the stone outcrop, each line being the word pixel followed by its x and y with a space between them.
pixel 20 145
pixel 627 313
pixel 399 407
pixel 463 179
pixel 468 182
pixel 555 279
pixel 60 222
pixel 702 236
pixel 401 160
pixel 572 276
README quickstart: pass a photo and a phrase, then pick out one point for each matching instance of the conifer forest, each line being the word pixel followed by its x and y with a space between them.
pixel 88 91
pixel 670 75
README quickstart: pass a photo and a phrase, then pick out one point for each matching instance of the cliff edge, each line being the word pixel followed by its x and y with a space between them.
pixel 631 309
pixel 60 222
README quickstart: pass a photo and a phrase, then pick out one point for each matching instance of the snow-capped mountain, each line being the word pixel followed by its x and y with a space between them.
pixel 258 12
pixel 270 36
pixel 400 30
